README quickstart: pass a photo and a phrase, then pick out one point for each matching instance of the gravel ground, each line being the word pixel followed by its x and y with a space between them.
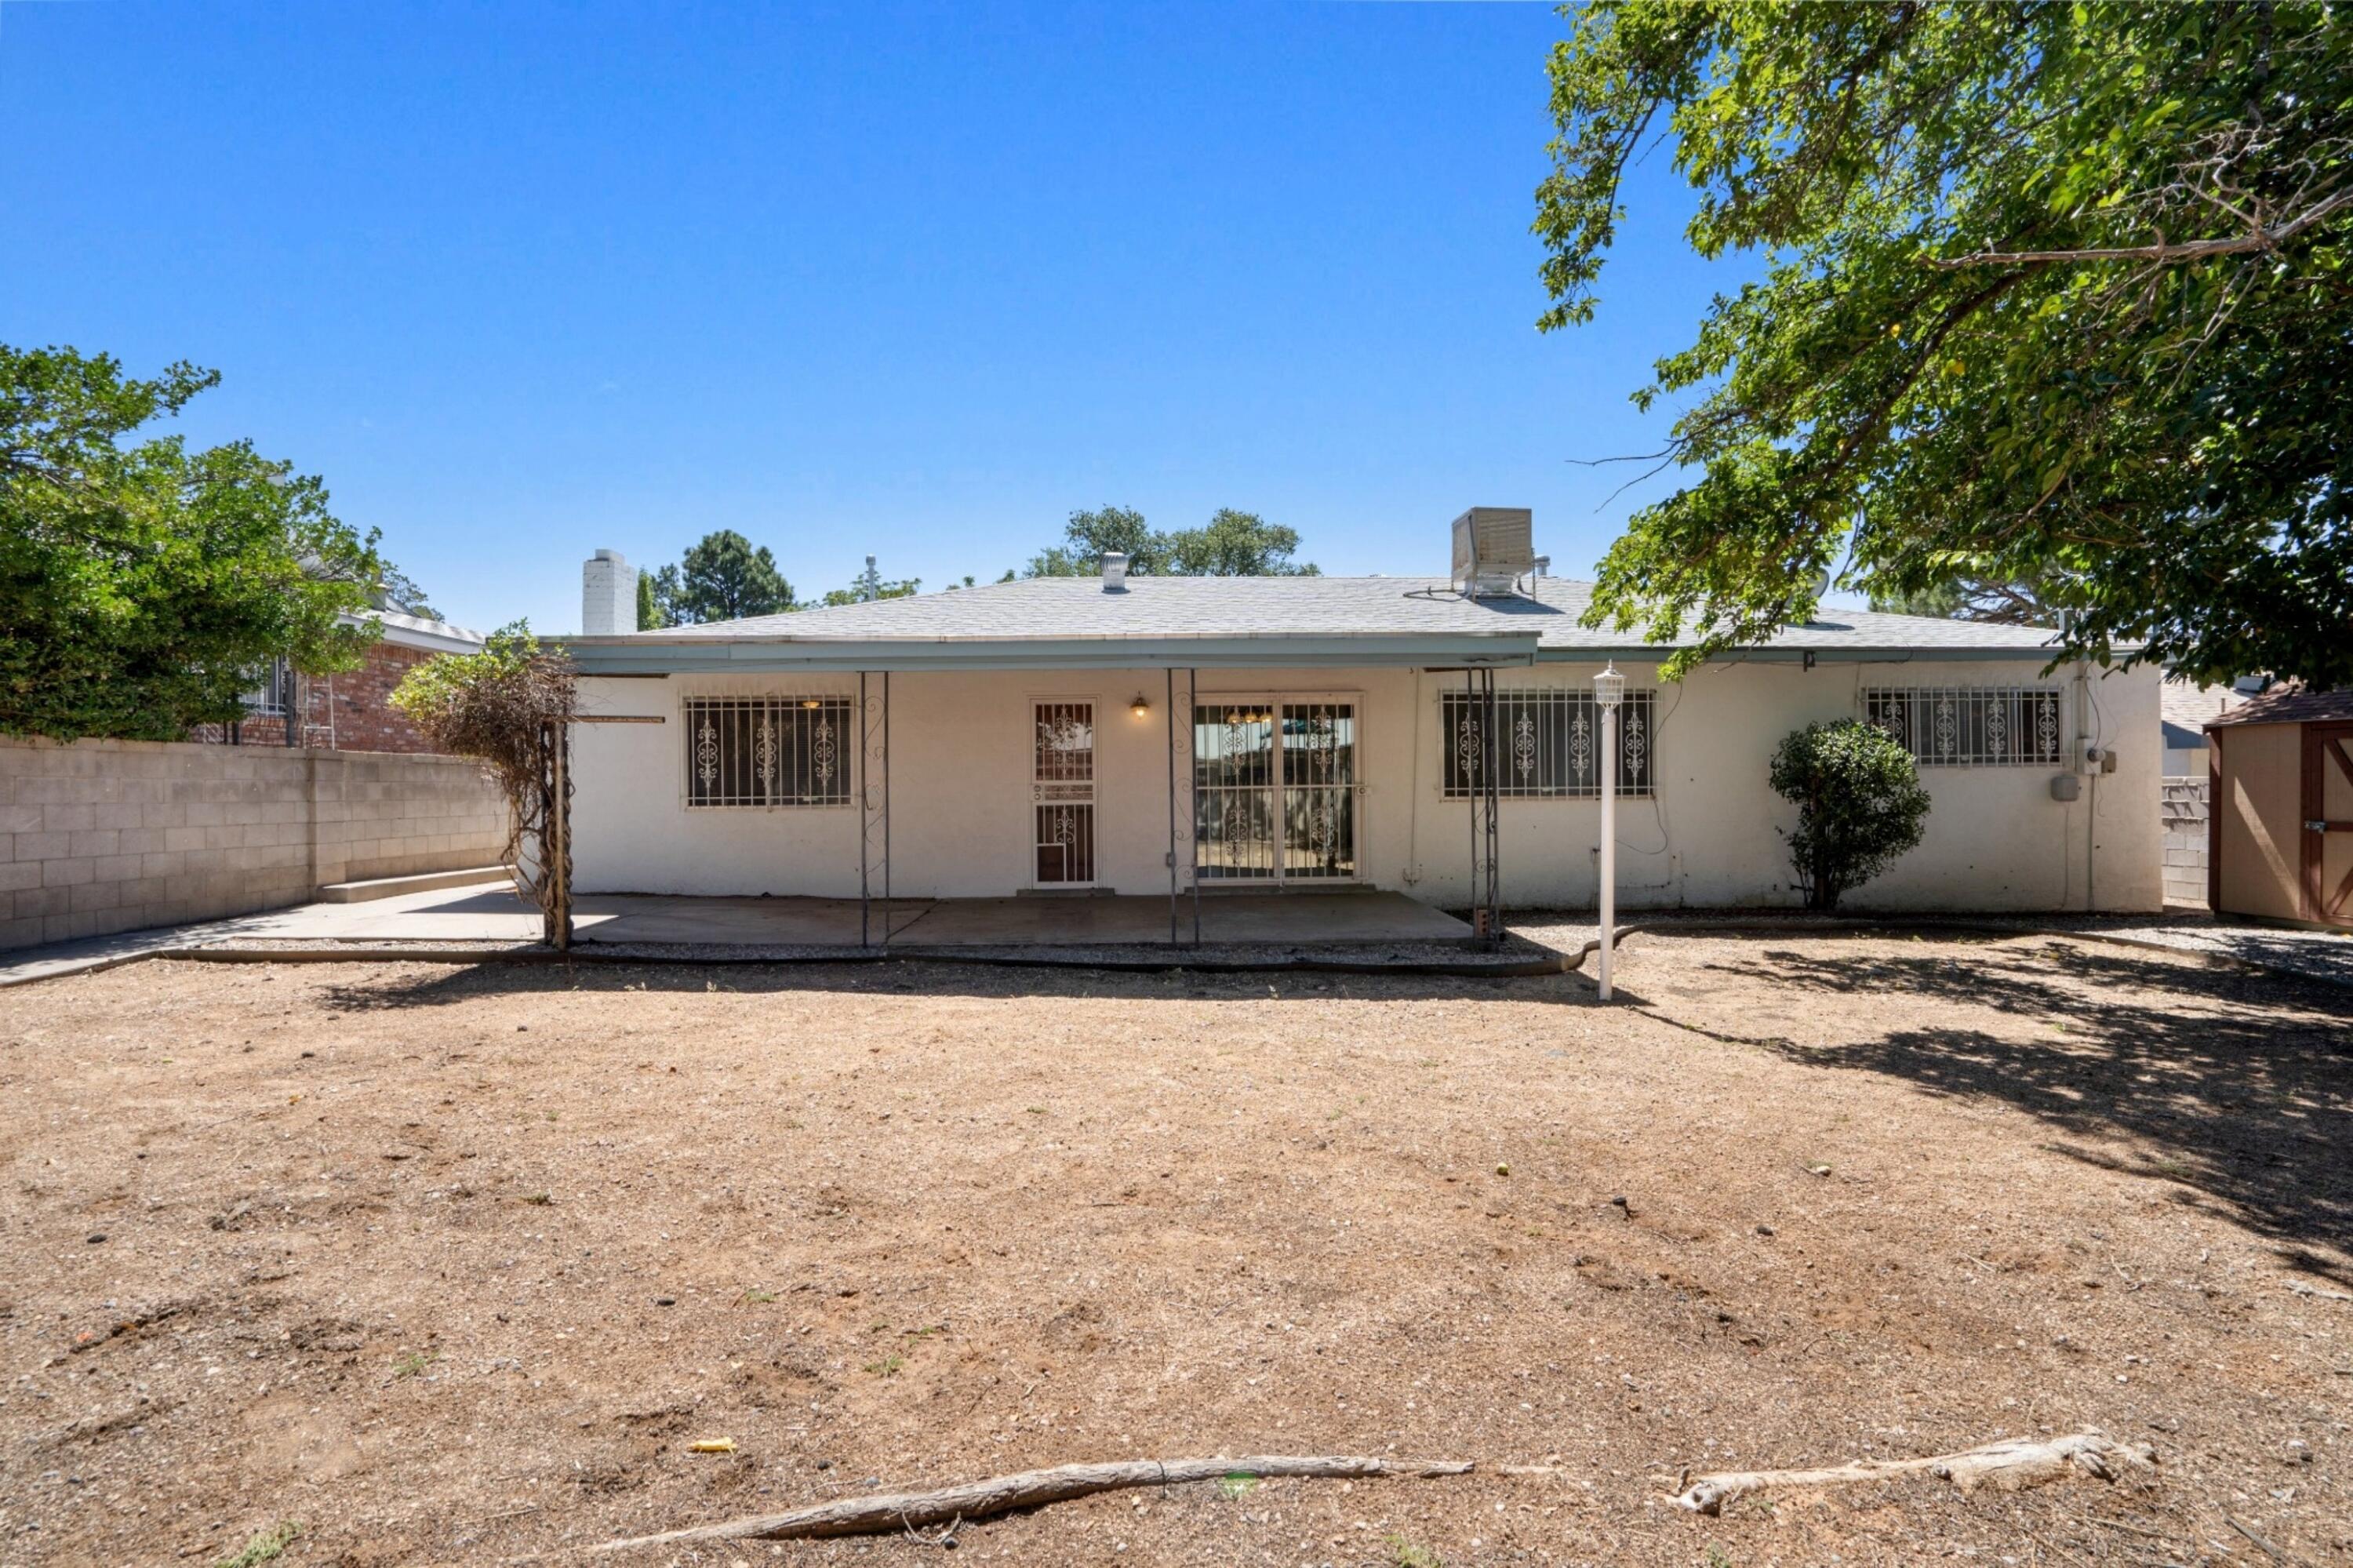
pixel 2316 955
pixel 451 1264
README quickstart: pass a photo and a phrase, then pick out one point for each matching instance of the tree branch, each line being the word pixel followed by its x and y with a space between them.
pixel 2256 241
pixel 890 1514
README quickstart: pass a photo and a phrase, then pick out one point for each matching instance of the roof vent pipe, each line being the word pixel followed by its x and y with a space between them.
pixel 1114 571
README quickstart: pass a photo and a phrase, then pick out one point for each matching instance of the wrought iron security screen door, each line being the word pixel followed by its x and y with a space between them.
pixel 1274 791
pixel 1318 754
pixel 1062 791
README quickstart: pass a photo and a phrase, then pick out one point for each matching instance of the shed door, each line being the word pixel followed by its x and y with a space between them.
pixel 2328 822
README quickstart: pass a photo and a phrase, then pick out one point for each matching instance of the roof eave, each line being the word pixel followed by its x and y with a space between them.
pixel 1828 653
pixel 638 655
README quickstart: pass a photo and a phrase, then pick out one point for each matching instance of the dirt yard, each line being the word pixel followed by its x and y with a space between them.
pixel 451 1266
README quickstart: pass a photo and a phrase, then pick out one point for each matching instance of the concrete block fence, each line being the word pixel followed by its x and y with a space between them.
pixel 99 836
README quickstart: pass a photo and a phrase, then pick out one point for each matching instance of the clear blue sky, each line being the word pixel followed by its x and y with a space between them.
pixel 522 279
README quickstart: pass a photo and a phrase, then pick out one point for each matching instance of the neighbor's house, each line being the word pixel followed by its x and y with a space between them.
pixel 351 710
pixel 1125 734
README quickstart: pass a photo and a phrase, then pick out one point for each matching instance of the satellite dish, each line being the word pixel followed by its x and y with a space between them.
pixel 1821 583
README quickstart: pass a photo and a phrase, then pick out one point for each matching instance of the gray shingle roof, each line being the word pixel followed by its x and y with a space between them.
pixel 1166 607
pixel 2289 704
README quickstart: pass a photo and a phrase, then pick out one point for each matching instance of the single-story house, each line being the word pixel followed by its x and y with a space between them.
pixel 351 710
pixel 2187 707
pixel 2282 808
pixel 1143 735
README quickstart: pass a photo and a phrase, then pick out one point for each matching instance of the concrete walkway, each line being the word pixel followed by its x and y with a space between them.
pixel 492 914
pixel 2325 956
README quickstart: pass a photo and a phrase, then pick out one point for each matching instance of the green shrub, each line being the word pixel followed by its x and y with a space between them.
pixel 1860 805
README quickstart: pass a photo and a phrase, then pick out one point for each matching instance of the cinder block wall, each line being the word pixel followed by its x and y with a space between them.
pixel 111 835
pixel 2182 807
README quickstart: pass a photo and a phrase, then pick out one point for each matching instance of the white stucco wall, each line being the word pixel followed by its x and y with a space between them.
pixel 961 800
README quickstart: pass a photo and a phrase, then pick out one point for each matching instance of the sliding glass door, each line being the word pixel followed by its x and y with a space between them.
pixel 1274 791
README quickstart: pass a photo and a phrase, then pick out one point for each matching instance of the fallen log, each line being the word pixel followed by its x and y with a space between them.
pixel 1030 1488
pixel 2013 1464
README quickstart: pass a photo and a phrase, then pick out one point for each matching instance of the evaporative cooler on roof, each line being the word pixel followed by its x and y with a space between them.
pixel 1495 550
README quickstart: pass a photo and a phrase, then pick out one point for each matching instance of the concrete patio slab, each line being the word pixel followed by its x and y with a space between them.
pixel 494 914
pixel 1050 927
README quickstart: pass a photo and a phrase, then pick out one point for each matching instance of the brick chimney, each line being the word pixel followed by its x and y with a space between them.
pixel 608 595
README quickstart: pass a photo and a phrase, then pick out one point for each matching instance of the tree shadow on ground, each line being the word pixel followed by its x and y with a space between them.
pixel 2235 1085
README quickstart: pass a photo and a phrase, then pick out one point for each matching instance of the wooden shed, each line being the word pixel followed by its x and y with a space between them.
pixel 2279 809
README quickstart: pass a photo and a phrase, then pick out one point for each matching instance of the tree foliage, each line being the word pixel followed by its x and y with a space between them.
pixel 724 578
pixel 1996 601
pixel 1232 544
pixel 397 591
pixel 1860 805
pixel 1091 534
pixel 500 707
pixel 142 584
pixel 1237 544
pixel 657 594
pixel 863 591
pixel 2053 292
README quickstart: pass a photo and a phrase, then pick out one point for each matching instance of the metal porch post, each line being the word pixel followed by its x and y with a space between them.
pixel 1192 695
pixel 555 834
pixel 1494 769
pixel 873 805
pixel 865 784
pixel 1171 673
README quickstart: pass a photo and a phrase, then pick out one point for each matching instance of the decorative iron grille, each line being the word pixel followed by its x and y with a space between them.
pixel 769 751
pixel 1061 786
pixel 1233 789
pixel 1319 790
pixel 1274 791
pixel 1971 726
pixel 1549 745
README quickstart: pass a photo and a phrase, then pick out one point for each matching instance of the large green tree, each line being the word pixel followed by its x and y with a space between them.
pixel 1237 544
pixel 723 577
pixel 1090 534
pixel 1232 544
pixel 2050 292
pixel 142 584
pixel 1995 600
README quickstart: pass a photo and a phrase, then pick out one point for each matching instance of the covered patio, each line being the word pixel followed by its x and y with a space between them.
pixel 492 913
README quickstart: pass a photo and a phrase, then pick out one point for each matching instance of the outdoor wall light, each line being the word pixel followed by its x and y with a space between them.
pixel 1139 705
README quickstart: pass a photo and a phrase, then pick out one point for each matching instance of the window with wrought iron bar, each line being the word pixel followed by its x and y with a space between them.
pixel 769 751
pixel 1971 726
pixel 1549 745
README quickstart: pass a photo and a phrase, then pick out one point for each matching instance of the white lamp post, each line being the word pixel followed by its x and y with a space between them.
pixel 1609 690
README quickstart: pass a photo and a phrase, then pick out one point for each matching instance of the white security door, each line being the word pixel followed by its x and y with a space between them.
pixel 1062 792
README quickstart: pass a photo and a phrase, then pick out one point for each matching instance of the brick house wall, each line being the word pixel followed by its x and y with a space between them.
pixel 352 711
pixel 349 711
